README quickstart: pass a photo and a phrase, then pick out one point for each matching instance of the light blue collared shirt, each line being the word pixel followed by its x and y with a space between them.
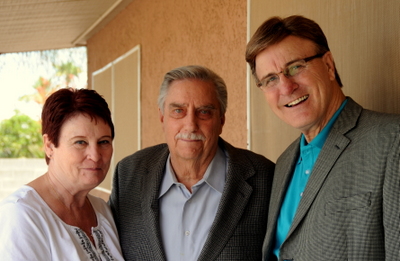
pixel 186 218
pixel 308 156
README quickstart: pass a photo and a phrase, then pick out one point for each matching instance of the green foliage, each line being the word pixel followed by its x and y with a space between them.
pixel 69 70
pixel 20 136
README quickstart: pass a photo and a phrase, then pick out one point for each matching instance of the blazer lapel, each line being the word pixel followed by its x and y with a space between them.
pixel 233 202
pixel 325 162
pixel 334 146
pixel 282 178
pixel 150 206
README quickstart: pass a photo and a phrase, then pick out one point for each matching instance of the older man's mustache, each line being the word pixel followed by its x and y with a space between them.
pixel 190 136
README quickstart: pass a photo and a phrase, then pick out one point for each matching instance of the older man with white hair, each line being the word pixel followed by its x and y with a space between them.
pixel 195 197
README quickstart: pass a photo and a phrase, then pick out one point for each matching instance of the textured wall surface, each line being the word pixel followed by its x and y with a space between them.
pixel 174 33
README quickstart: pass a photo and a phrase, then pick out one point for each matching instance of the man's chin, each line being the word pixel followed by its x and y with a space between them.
pixel 189 153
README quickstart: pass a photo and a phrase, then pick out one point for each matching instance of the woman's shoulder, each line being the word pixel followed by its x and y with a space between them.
pixel 22 209
pixel 24 196
pixel 22 226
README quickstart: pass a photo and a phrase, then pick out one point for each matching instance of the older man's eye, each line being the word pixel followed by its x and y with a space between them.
pixel 177 113
pixel 204 112
pixel 104 142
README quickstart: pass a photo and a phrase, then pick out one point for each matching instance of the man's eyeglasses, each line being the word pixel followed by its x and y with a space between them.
pixel 291 70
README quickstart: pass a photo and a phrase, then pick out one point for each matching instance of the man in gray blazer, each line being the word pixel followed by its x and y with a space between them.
pixel 195 197
pixel 336 189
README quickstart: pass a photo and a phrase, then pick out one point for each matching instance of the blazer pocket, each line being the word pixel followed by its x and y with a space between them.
pixel 347 204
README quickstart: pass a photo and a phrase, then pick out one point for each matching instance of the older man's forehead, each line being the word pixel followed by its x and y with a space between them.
pixel 209 106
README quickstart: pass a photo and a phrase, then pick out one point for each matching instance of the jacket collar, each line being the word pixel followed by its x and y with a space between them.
pixel 234 199
pixel 334 146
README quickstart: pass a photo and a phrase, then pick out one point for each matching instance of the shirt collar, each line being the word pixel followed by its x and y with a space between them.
pixel 214 176
pixel 319 141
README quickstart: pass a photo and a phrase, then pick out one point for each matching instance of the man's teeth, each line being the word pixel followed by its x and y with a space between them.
pixel 295 102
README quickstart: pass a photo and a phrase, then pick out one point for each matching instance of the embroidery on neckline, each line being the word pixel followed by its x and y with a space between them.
pixel 87 246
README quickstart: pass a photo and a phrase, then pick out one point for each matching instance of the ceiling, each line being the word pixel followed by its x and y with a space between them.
pixel 33 25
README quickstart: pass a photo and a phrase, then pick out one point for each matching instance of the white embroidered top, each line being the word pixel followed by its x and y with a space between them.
pixel 30 230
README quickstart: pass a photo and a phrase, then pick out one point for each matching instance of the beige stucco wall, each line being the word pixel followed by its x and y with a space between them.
pixel 173 33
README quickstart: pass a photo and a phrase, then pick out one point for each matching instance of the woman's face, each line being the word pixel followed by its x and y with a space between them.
pixel 82 158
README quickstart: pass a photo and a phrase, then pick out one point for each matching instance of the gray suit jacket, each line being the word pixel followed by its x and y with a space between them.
pixel 350 208
pixel 239 227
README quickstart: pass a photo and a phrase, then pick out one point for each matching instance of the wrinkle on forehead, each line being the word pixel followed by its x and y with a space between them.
pixel 276 57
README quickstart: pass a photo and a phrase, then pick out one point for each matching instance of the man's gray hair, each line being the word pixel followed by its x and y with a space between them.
pixel 194 72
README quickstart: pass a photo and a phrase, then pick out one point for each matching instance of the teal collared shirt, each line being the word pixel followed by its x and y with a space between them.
pixel 308 156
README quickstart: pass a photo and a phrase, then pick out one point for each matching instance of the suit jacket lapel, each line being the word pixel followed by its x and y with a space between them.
pixel 233 202
pixel 280 183
pixel 335 144
pixel 323 165
pixel 150 206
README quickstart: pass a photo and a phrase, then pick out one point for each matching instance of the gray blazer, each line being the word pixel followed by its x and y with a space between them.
pixel 239 227
pixel 350 208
